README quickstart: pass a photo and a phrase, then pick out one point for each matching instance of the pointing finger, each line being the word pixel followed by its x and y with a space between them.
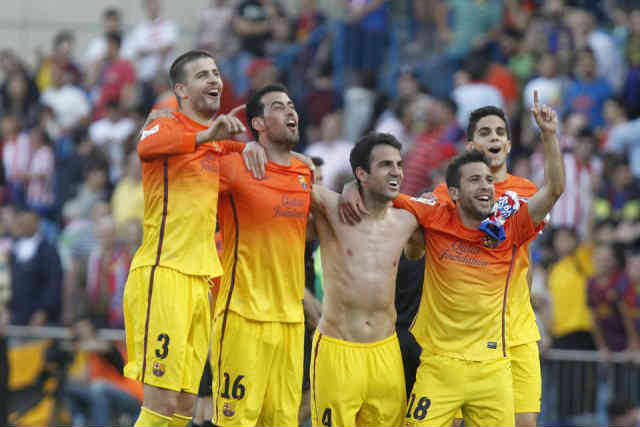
pixel 237 109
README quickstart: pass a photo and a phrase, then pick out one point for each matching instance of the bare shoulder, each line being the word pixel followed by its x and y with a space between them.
pixel 404 218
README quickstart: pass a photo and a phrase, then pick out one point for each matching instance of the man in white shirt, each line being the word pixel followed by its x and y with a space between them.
pixel 151 42
pixel 110 133
pixel 69 103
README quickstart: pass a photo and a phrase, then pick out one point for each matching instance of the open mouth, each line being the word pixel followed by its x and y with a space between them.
pixel 394 185
pixel 292 125
pixel 483 198
pixel 214 93
pixel 495 150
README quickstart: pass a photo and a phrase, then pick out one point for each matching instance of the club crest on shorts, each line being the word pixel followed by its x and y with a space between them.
pixel 158 369
pixel 227 410
pixel 303 182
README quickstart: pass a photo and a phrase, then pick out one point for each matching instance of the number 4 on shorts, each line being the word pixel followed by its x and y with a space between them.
pixel 326 417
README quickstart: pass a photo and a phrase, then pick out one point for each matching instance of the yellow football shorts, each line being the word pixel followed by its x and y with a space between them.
pixel 167 321
pixel 356 384
pixel 257 371
pixel 527 379
pixel 483 390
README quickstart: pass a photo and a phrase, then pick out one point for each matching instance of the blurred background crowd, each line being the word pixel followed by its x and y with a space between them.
pixel 71 198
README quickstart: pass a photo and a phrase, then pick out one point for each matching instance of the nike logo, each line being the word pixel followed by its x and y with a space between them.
pixel 147 132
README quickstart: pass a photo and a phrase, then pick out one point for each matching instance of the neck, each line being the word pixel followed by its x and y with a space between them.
pixel 467 220
pixel 276 153
pixel 377 207
pixel 499 173
pixel 204 120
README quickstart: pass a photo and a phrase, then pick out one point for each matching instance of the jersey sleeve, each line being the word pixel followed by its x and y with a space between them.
pixel 442 193
pixel 425 210
pixel 522 226
pixel 165 137
pixel 228 146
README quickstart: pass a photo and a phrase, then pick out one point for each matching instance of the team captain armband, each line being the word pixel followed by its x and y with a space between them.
pixel 503 208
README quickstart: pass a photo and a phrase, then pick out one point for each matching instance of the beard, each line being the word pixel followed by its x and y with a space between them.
pixel 204 107
pixel 473 210
pixel 283 138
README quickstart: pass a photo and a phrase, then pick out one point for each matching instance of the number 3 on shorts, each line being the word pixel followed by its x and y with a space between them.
pixel 420 411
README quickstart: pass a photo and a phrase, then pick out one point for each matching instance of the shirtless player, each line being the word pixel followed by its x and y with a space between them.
pixel 357 376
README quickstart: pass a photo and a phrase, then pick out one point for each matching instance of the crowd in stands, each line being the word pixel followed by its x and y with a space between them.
pixel 70 192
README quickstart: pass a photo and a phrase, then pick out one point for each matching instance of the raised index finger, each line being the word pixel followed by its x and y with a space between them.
pixel 237 109
pixel 535 99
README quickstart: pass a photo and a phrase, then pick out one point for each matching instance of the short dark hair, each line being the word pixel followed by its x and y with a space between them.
pixel 62 36
pixel 176 72
pixel 114 37
pixel 619 408
pixel 361 152
pixel 479 113
pixel 111 12
pixel 255 107
pixel 453 170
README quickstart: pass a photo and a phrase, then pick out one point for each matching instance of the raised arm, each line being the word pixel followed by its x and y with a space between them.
pixel 554 179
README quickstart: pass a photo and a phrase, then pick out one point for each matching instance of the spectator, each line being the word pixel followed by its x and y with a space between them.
pixel 214 32
pixel 36 275
pixel 107 272
pixel 587 92
pixel 92 190
pixel 40 177
pixel 475 24
pixel 471 91
pixel 605 295
pixel 549 84
pixel 127 202
pixel 150 43
pixel 117 76
pixel 102 395
pixel 97 49
pixel 254 21
pixel 622 413
pixel 60 61
pixel 583 170
pixel 571 322
pixel 69 103
pixel 365 34
pixel 608 57
pixel 334 150
pixel 622 139
pixel 20 97
pixel 618 198
pixel 631 304
pixel 16 155
pixel 5 298
pixel 615 117
pixel 110 134
pixel 631 88
pixel 433 147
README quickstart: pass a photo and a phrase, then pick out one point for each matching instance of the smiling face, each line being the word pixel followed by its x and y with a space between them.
pixel 475 193
pixel 491 137
pixel 280 119
pixel 385 173
pixel 202 86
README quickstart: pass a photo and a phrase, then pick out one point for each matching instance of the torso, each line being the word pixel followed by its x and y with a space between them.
pixel 360 264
